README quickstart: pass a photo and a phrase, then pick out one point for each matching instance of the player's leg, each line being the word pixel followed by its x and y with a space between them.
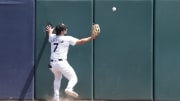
pixel 70 74
pixel 57 83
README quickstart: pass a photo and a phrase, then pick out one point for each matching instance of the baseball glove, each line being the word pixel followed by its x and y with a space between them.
pixel 95 30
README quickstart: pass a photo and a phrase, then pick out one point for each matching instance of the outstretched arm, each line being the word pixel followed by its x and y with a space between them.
pixel 85 40
pixel 95 33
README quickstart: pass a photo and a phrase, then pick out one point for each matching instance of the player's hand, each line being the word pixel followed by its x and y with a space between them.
pixel 95 31
pixel 49 29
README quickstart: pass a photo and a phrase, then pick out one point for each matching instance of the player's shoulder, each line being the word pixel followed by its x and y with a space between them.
pixel 68 37
pixel 52 35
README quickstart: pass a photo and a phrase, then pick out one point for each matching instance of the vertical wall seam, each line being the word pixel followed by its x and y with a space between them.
pixel 93 72
pixel 153 72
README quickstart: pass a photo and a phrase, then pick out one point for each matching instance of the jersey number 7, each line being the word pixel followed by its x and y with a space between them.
pixel 56 45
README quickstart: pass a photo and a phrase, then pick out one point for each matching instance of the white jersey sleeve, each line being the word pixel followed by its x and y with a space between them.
pixel 51 37
pixel 72 40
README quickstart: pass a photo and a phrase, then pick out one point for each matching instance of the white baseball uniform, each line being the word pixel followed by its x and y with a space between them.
pixel 59 63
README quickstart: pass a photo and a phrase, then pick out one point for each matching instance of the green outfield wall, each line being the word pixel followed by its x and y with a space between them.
pixel 77 15
pixel 167 50
pixel 136 56
pixel 123 52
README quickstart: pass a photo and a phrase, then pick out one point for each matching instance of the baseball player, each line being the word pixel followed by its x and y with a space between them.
pixel 58 60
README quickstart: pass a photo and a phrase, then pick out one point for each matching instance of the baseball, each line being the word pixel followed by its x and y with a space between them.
pixel 113 9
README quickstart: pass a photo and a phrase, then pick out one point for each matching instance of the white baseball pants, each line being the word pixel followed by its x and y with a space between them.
pixel 60 68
